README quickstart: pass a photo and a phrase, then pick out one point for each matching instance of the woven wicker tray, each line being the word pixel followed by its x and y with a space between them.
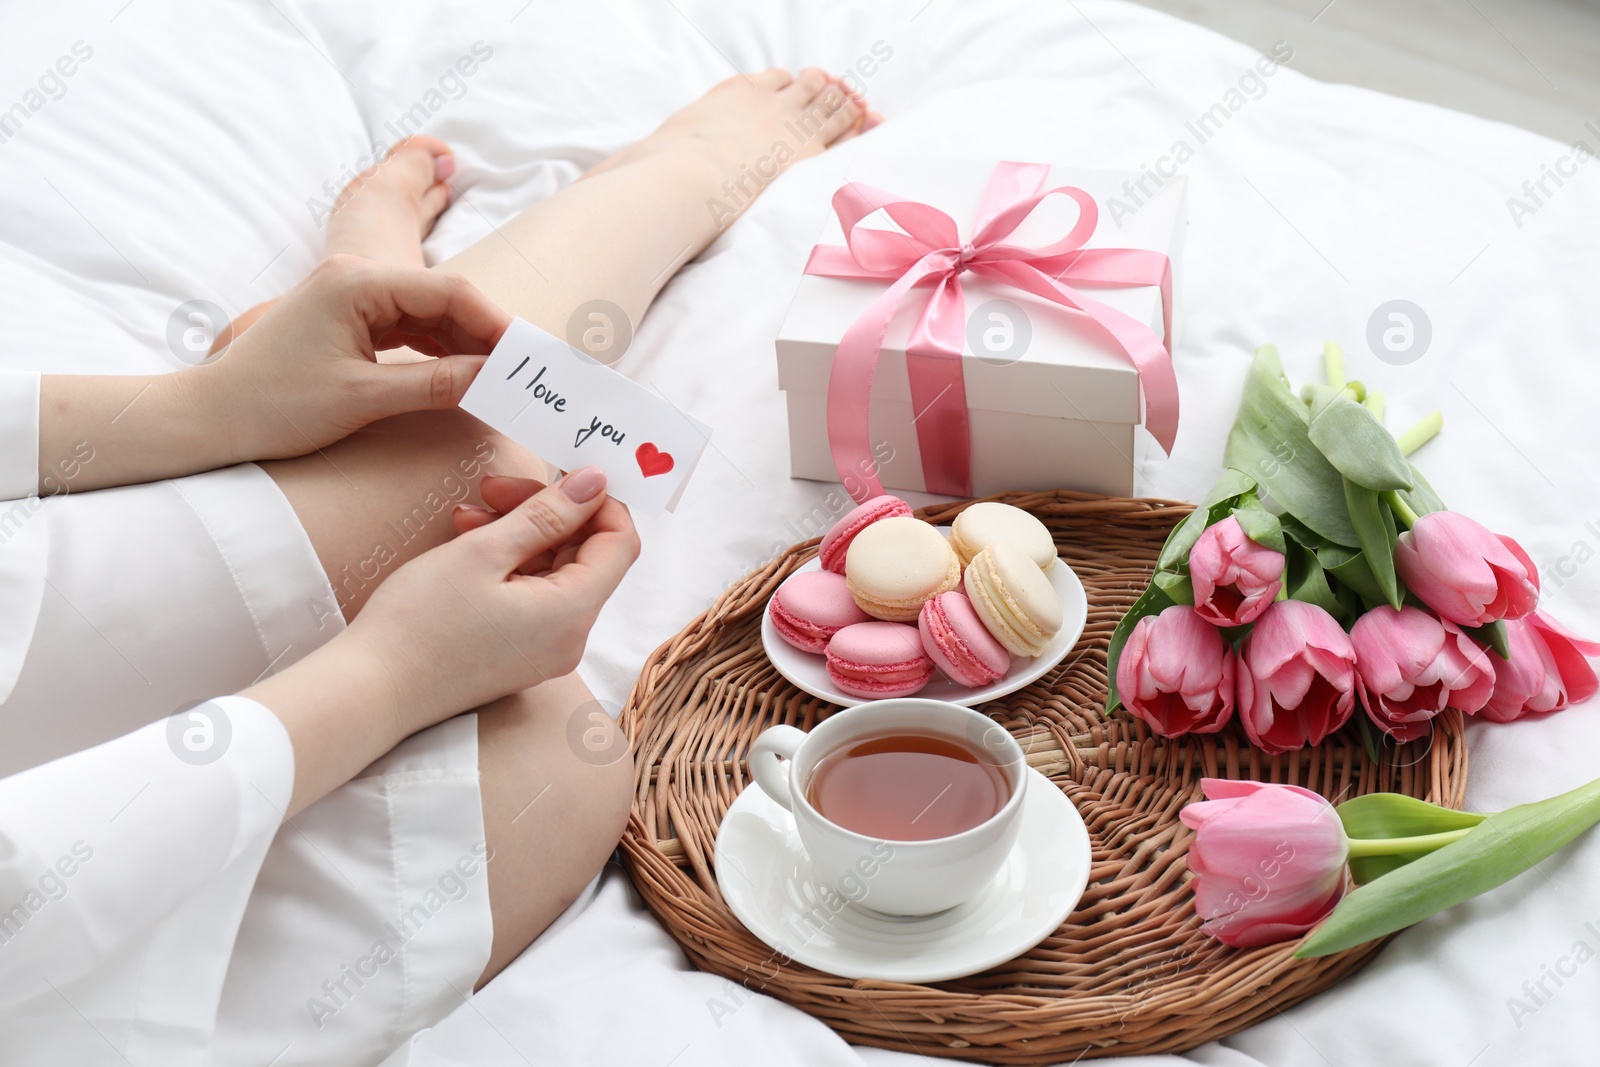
pixel 1129 971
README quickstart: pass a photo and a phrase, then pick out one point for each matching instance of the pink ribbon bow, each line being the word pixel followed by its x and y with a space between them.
pixel 930 252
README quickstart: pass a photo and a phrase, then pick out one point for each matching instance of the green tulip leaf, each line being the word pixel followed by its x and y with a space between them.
pixel 1178 587
pixel 1491 853
pixel 1369 738
pixel 1380 815
pixel 1356 443
pixel 1259 524
pixel 1298 532
pixel 1153 601
pixel 1349 568
pixel 1365 869
pixel 1306 580
pixel 1493 635
pixel 1374 524
pixel 1392 815
pixel 1421 498
pixel 1217 503
pixel 1350 600
pixel 1270 442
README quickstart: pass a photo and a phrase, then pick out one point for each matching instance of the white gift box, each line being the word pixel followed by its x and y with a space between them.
pixel 1052 402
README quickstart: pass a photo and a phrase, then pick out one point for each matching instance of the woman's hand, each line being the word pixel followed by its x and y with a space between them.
pixel 455 628
pixel 303 377
pixel 462 624
pixel 504 494
pixel 306 375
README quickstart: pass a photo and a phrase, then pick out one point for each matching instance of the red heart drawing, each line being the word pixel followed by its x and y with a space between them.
pixel 652 461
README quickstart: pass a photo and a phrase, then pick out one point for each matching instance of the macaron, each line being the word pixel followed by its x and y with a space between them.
pixel 959 644
pixel 990 522
pixel 1014 599
pixel 836 542
pixel 878 660
pixel 811 607
pixel 898 564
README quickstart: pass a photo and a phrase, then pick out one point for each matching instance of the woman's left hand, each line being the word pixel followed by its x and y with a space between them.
pixel 306 375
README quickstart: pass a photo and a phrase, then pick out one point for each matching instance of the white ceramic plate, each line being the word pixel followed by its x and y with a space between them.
pixel 809 671
pixel 766 879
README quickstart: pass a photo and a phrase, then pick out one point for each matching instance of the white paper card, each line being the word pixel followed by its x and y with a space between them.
pixel 557 402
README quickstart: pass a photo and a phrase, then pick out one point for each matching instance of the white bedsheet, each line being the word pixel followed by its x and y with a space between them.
pixel 179 161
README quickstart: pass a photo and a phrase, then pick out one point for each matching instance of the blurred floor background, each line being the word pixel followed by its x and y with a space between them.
pixel 1532 63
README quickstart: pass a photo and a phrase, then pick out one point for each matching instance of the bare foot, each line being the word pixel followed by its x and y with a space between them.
pixel 385 212
pixel 752 127
pixel 383 215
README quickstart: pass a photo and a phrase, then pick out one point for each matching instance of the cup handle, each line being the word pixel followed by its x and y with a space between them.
pixel 769 758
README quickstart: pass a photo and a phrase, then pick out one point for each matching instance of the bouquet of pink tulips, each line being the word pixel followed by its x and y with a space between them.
pixel 1322 572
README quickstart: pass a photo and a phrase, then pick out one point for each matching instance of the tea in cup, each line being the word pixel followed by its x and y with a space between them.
pixel 906 807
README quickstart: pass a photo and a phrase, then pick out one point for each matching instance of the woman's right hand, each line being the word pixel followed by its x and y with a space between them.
pixel 464 623
pixel 455 628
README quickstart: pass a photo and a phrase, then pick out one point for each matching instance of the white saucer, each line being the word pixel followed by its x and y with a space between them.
pixel 809 671
pixel 765 877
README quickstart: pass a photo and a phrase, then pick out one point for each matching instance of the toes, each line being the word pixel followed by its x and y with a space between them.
pixel 420 141
pixel 432 204
pixel 833 113
pixel 807 84
pixel 421 161
pixel 772 79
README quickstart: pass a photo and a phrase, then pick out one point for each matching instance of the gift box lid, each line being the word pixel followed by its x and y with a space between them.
pixel 1066 367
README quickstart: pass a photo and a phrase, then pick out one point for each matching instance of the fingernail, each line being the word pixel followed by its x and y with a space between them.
pixel 462 508
pixel 443 167
pixel 873 120
pixel 583 484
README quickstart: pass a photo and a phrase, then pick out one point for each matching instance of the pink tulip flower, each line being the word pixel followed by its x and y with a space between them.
pixel 1268 860
pixel 1176 673
pixel 1234 577
pixel 1296 677
pixel 1465 573
pixel 1413 666
pixel 1546 672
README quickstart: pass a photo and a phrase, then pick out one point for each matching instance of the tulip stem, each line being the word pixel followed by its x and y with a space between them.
pixel 1333 364
pixel 1421 433
pixel 1397 846
pixel 1374 404
pixel 1403 512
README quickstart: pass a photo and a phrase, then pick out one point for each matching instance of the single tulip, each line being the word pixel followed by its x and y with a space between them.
pixel 1234 577
pixel 1296 677
pixel 1546 672
pixel 1176 673
pixel 1467 574
pixel 1268 860
pixel 1413 666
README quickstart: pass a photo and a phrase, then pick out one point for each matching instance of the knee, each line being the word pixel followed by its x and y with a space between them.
pixel 558 736
pixel 453 445
pixel 603 780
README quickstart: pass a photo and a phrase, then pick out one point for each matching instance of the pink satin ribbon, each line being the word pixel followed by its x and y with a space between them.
pixel 930 253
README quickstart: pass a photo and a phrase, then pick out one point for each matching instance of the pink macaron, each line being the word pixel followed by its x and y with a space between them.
pixel 836 542
pixel 878 659
pixel 811 607
pixel 957 641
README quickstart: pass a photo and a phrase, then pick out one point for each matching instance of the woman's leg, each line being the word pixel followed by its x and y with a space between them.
pixel 619 234
pixel 556 785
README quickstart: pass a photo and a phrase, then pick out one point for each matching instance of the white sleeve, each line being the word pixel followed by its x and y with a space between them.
pixel 19 435
pixel 99 847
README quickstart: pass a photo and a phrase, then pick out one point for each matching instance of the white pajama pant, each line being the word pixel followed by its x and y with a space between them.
pixel 370 917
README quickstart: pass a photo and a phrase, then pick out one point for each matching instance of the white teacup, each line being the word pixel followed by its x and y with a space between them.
pixel 894 877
